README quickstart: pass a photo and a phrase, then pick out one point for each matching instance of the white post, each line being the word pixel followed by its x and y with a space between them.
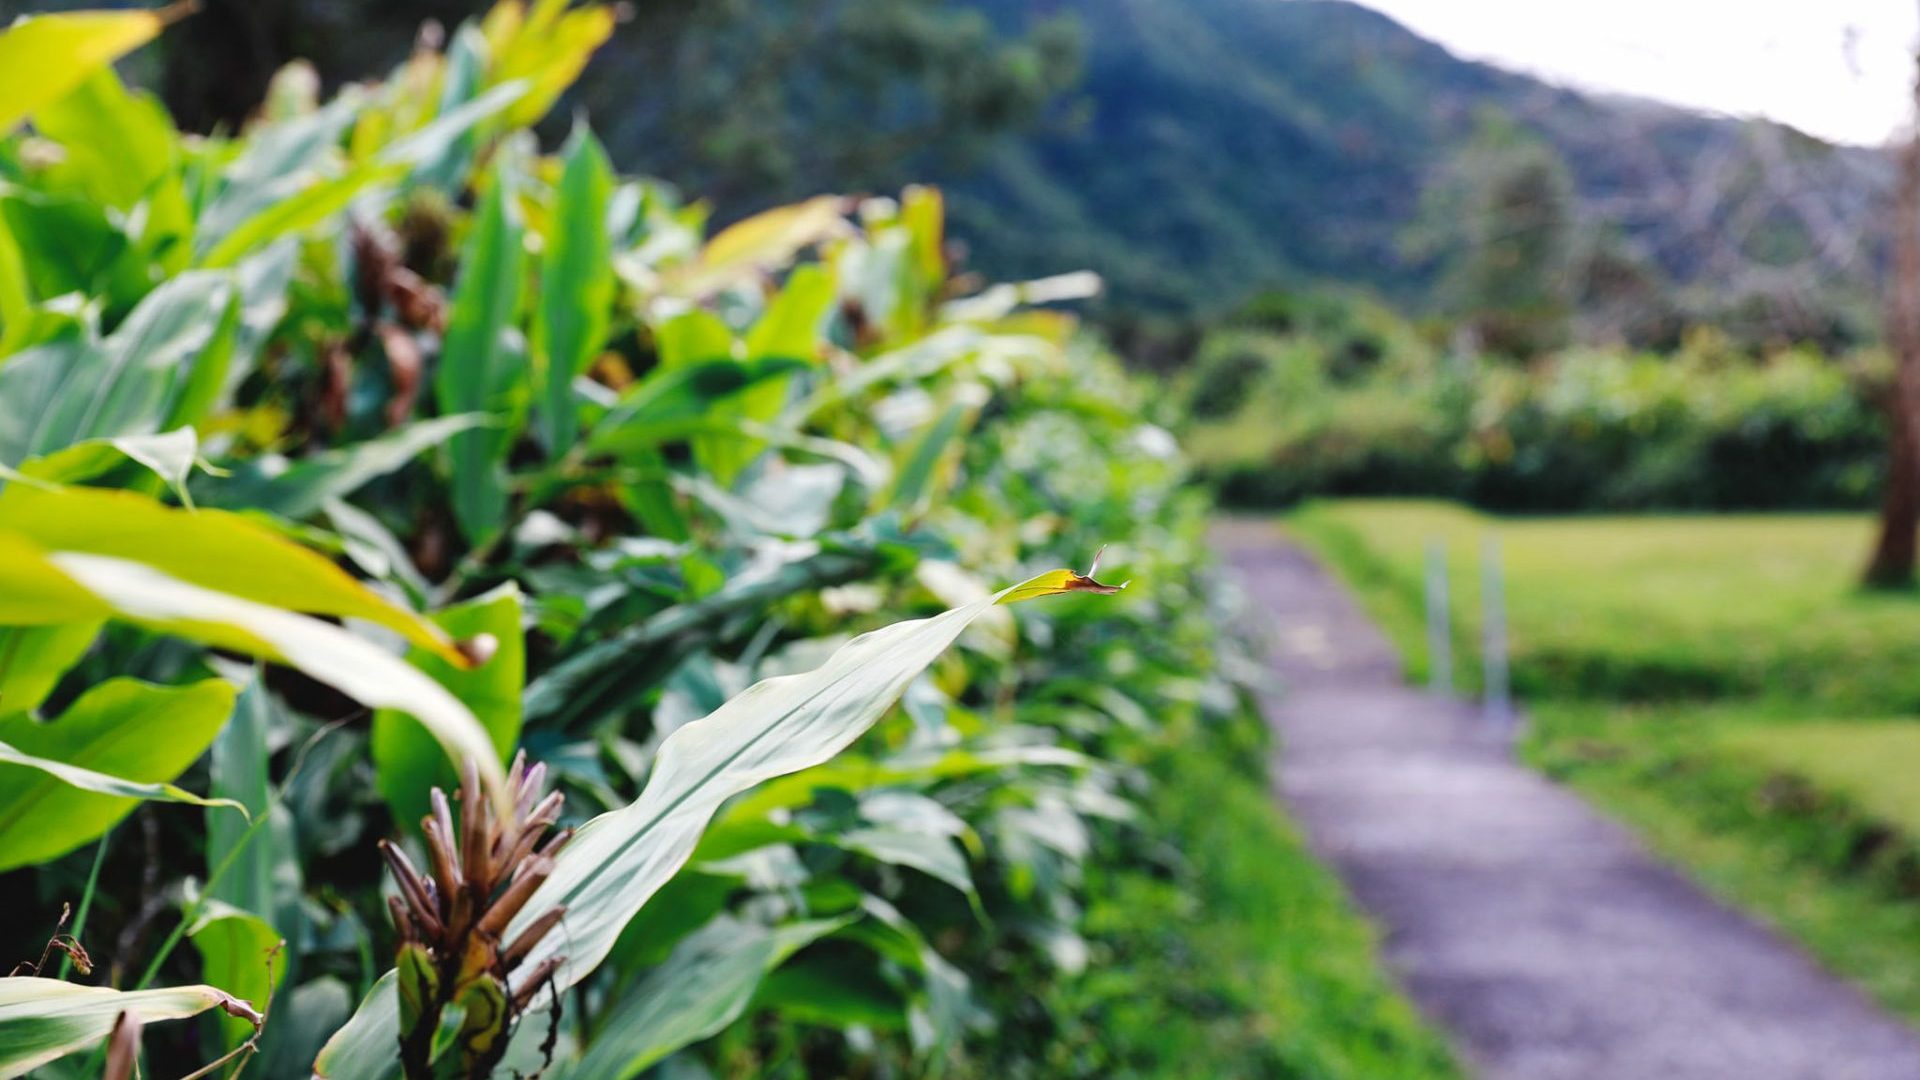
pixel 1493 652
pixel 1439 625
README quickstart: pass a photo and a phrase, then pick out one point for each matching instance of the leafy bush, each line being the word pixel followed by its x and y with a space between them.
pixel 1335 408
pixel 351 457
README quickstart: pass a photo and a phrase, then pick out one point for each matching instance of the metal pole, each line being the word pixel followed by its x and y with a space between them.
pixel 1493 652
pixel 1439 625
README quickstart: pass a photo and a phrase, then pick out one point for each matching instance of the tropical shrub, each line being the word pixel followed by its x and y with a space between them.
pixel 355 456
pixel 1288 402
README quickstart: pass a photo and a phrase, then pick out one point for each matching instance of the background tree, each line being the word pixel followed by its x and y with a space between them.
pixel 1500 219
pixel 1893 556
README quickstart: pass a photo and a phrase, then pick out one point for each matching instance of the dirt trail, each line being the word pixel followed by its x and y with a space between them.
pixel 1537 933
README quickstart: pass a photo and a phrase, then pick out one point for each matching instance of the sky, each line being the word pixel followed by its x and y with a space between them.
pixel 1839 69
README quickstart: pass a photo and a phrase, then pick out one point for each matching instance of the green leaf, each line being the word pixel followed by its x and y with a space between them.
pixel 914 481
pixel 576 286
pixel 170 454
pixel 43 1020
pixel 407 762
pixel 934 855
pixel 777 726
pixel 67 244
pixel 618 860
pixel 115 145
pixel 42 58
pixel 302 489
pixel 295 214
pixel 32 659
pixel 241 953
pixel 474 369
pixel 263 877
pixel 33 591
pixel 65 782
pixel 132 383
pixel 829 992
pixel 674 403
pixel 279 162
pixel 705 985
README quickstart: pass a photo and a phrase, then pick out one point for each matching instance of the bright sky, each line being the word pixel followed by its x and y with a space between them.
pixel 1840 69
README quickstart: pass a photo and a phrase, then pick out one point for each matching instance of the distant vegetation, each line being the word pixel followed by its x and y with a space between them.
pixel 1308 394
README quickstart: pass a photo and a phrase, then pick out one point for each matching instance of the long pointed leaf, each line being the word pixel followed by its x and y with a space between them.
pixel 620 859
pixel 42 1020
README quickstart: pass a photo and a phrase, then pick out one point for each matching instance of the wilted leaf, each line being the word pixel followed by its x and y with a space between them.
pixel 42 1020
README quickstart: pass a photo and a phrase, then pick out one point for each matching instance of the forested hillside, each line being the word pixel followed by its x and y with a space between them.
pixel 1192 151
pixel 1226 143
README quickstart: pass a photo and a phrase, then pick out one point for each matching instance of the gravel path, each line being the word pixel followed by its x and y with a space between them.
pixel 1538 933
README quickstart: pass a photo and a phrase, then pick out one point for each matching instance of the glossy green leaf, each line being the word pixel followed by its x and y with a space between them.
pixel 263 876
pixel 406 760
pixel 68 244
pixel 43 1020
pixel 705 985
pixel 32 659
pixel 576 286
pixel 243 955
pixel 314 205
pixel 64 782
pixel 474 366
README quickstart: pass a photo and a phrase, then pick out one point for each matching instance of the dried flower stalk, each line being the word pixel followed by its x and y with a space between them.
pixel 452 919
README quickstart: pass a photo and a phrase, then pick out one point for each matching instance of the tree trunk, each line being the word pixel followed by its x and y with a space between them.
pixel 1893 557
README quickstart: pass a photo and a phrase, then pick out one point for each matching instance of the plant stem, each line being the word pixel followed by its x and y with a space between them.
pixel 86 899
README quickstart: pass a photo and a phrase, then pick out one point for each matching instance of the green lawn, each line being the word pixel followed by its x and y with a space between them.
pixel 1645 608
pixel 1717 682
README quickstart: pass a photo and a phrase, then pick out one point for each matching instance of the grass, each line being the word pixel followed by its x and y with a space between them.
pixel 1719 683
pixel 1647 608
pixel 1221 948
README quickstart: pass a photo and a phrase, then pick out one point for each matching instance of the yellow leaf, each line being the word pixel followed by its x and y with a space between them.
pixel 44 57
pixel 1055 582
pixel 764 240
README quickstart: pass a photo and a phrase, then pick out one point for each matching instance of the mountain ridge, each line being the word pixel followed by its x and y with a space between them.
pixel 1227 145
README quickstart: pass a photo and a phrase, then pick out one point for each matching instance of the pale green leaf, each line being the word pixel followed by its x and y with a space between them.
pixel 208 548
pixel 42 1020
pixel 618 860
pixel 348 663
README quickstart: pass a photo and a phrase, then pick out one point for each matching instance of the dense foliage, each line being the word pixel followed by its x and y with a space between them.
pixel 1306 396
pixel 373 439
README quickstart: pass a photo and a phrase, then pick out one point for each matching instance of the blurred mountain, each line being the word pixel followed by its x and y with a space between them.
pixel 1217 146
pixel 1192 151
